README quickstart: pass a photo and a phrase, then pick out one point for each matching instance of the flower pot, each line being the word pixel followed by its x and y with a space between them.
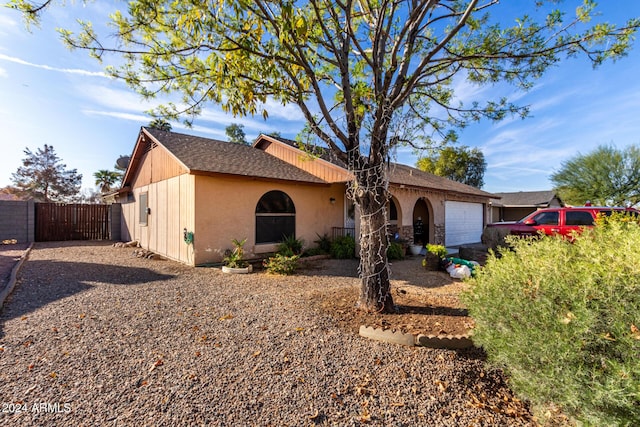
pixel 432 262
pixel 235 270
pixel 415 249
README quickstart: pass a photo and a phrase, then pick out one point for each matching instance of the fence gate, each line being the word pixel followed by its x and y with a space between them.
pixel 56 221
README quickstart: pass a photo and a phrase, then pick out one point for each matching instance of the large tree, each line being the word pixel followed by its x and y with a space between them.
pixel 43 177
pixel 462 164
pixel 368 75
pixel 236 134
pixel 607 176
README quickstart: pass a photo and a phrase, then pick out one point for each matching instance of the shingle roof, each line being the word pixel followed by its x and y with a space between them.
pixel 206 155
pixel 407 175
pixel 402 174
pixel 525 198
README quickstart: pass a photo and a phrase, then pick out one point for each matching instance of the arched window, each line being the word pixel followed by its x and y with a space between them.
pixel 275 217
pixel 393 211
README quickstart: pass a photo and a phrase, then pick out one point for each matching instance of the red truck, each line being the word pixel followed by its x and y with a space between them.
pixel 561 221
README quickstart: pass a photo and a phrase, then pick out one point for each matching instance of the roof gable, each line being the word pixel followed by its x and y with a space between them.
pixel 399 174
pixel 317 162
pixel 203 156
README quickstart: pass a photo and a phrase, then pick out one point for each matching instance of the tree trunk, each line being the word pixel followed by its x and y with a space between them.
pixel 370 194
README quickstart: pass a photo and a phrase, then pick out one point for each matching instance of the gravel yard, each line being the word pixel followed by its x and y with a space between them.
pixel 94 336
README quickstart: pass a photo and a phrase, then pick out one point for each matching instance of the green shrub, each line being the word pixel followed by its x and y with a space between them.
pixel 394 251
pixel 324 243
pixel 290 246
pixel 314 251
pixel 235 258
pixel 562 319
pixel 343 247
pixel 281 264
pixel 438 250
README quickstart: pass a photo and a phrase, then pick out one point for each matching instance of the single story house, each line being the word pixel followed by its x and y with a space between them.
pixel 179 186
pixel 517 205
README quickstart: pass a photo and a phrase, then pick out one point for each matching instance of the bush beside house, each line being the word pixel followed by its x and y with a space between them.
pixel 563 320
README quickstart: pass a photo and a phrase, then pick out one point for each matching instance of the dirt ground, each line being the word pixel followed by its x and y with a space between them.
pixel 10 253
pixel 427 302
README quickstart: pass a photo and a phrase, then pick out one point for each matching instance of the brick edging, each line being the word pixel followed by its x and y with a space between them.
pixel 451 342
pixel 4 293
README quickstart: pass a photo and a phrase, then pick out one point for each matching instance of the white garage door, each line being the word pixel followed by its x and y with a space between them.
pixel 463 223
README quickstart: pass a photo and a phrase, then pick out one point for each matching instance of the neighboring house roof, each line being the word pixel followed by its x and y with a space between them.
pixel 399 174
pixel 538 199
pixel 206 156
pixel 11 197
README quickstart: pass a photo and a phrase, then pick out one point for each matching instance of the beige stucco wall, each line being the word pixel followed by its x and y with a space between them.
pixel 225 209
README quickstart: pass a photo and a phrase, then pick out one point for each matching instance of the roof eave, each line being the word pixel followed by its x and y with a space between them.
pixel 258 178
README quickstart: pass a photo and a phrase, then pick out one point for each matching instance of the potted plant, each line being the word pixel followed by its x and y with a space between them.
pixel 234 261
pixel 415 248
pixel 434 255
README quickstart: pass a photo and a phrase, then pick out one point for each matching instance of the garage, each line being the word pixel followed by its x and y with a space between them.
pixel 464 222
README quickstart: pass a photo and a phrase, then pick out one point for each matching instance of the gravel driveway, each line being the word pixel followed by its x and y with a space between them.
pixel 94 336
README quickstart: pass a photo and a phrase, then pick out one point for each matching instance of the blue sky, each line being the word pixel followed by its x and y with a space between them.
pixel 49 95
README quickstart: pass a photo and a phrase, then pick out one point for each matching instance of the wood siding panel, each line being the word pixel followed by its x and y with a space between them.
pixel 186 211
pixel 157 165
pixel 171 204
pixel 142 231
pixel 161 230
pixel 173 231
pixel 316 167
pixel 127 221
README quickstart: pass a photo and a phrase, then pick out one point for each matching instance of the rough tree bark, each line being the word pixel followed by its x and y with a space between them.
pixel 370 193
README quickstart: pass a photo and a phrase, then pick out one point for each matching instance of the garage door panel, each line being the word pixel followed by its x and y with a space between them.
pixel 464 222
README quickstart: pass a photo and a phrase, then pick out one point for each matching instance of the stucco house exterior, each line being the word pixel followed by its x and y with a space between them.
pixel 179 185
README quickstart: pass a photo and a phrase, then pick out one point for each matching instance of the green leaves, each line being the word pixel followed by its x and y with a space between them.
pixel 355 69
pixel 559 316
pixel 606 176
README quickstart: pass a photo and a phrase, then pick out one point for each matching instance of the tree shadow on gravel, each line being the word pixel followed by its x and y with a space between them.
pixel 43 282
pixel 432 310
pixel 487 387
pixel 404 272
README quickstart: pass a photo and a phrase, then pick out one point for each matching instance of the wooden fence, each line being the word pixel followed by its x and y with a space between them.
pixel 56 222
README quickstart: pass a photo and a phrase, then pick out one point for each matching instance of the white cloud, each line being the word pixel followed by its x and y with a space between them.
pixel 3 72
pixel 49 68
pixel 216 133
pixel 7 25
pixel 116 99
pixel 118 115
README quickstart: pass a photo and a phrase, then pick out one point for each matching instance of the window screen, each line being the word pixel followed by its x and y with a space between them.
pixel 275 217
pixel 144 208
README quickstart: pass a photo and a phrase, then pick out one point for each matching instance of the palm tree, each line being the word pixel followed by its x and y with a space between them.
pixel 160 124
pixel 105 179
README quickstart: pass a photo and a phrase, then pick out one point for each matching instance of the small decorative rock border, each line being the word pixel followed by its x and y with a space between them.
pixel 451 342
pixel 4 293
